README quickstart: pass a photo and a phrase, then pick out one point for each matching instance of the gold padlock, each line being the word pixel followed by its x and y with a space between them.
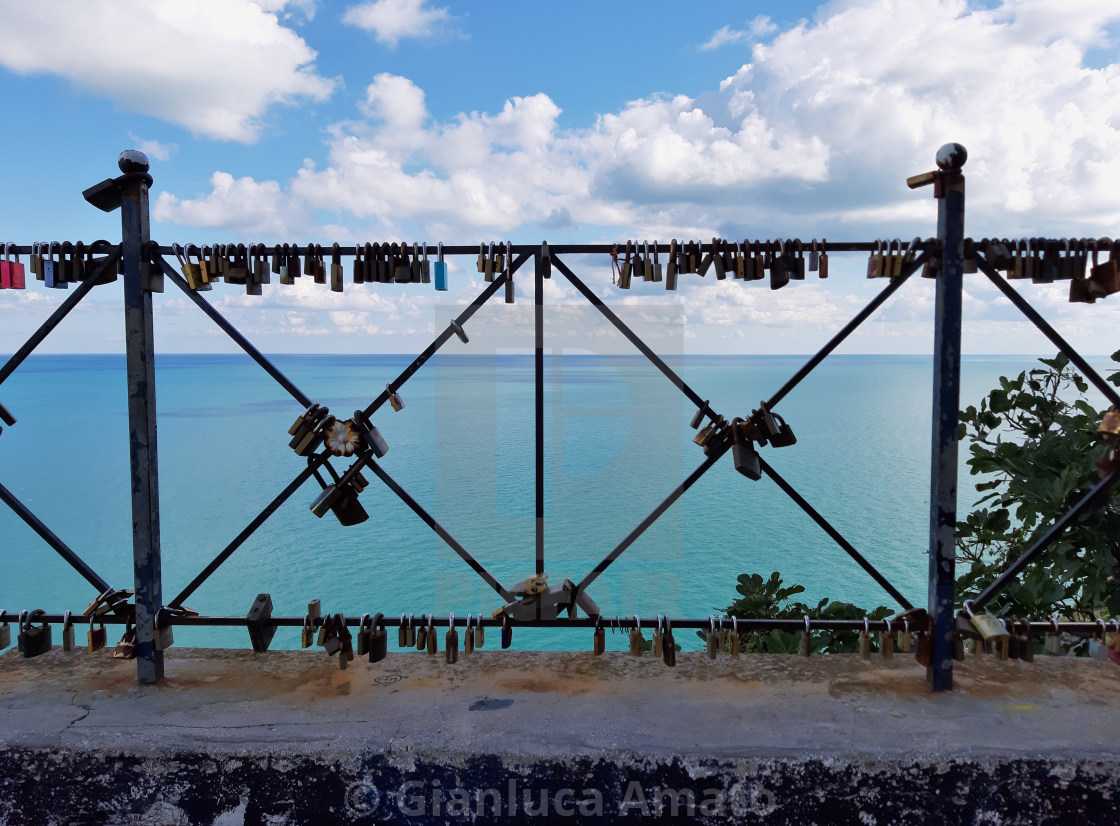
pixel 990 628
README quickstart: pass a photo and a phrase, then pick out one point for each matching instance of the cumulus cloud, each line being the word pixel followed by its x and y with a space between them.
pixel 153 149
pixel 239 204
pixel 390 21
pixel 213 67
pixel 758 28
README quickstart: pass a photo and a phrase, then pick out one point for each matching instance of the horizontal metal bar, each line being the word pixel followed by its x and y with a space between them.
pixel 48 536
pixel 837 537
pixel 56 317
pixel 1044 541
pixel 1036 318
pixel 847 330
pixel 621 623
pixel 259 520
pixel 234 333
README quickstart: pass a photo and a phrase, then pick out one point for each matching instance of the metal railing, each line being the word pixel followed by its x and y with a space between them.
pixel 319 437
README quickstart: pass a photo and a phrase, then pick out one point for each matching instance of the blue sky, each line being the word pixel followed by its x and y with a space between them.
pixel 424 120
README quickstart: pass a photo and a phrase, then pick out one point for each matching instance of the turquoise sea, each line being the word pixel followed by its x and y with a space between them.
pixel 617 443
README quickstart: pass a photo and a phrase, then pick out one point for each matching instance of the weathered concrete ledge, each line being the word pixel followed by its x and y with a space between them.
pixel 285 737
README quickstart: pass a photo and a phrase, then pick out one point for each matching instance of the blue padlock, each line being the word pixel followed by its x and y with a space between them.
pixel 52 271
pixel 440 269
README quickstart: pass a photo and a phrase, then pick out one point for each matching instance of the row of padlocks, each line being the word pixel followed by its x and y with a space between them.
pixel 976 633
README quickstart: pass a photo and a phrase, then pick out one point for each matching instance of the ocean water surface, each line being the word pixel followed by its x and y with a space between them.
pixel 617 443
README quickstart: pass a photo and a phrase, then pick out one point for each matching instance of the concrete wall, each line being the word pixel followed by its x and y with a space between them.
pixel 286 737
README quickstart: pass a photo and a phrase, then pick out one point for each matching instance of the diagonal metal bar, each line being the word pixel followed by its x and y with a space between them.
pixel 259 520
pixel 714 456
pixel 56 317
pixel 1044 541
pixel 848 329
pixel 631 336
pixel 442 338
pixel 1031 313
pixel 233 333
pixel 430 521
pixel 837 537
pixel 48 536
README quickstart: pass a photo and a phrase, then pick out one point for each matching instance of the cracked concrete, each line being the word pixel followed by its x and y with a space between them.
pixel 821 736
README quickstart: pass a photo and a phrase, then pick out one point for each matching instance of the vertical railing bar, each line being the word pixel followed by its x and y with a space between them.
pixel 48 536
pixel 538 328
pixel 949 190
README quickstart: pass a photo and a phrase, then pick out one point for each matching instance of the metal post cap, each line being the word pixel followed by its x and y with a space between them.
pixel 951 156
pixel 133 160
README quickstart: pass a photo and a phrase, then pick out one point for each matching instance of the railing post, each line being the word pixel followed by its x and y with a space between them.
pixel 949 191
pixel 140 362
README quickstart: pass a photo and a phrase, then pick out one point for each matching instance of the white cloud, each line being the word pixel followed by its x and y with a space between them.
pixel 758 28
pixel 241 205
pixel 389 21
pixel 213 67
pixel 153 149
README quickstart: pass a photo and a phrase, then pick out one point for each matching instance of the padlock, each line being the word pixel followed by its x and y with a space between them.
pixel 36 260
pixel 822 263
pixel 358 271
pixel 261 630
pixel 499 259
pixel 637 641
pixel 421 640
pixel 876 262
pixel 736 643
pixel 627 264
pixel 332 641
pixel 657 274
pixel 488 263
pixel 395 400
pixel 671 267
pixel 432 640
pixel 282 263
pixel 33 640
pixel 410 636
pixel 510 291
pixel 1012 643
pixel 346 652
pixel 326 631
pixel 163 633
pixel 985 624
pixel 1049 269
pixel 402 633
pixel 1054 639
pixel 805 644
pixel 440 269
pixel 96 638
pixel 599 638
pixel 236 264
pixel 668 646
pixel 904 640
pixel 425 267
pixel 190 271
pixel 307 633
pixel 745 457
pixel 347 509
pixel 12 274
pixel 507 631
pixel 52 271
pixel 657 644
pixel 468 637
pixel 705 435
pixel 865 640
pixel 923 651
pixel 126 647
pixel 67 633
pixel 5 631
pixel 378 639
pixel 886 642
pixel 451 642
pixel 1104 279
pixel 779 268
pixel 739 261
pixel 415 268
pixel 717 261
pixel 796 262
pixel 371 436
pixel 711 640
